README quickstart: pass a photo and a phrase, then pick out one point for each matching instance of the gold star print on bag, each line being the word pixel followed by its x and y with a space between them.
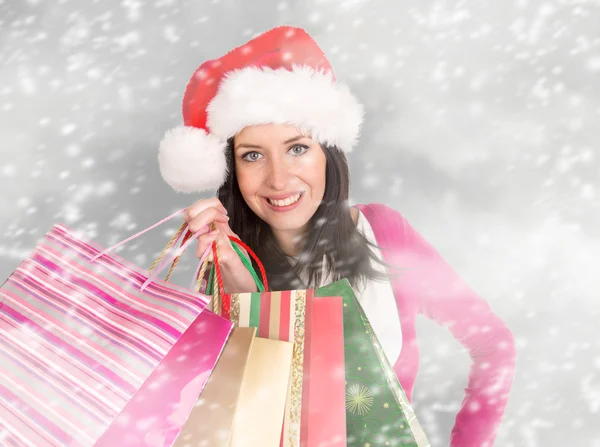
pixel 378 412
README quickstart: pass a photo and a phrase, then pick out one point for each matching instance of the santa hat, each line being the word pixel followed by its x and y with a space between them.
pixel 279 77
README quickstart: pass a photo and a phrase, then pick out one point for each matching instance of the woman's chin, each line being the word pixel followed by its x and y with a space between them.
pixel 291 221
pixel 286 223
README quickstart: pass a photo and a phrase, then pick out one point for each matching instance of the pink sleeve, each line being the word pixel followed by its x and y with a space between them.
pixel 444 297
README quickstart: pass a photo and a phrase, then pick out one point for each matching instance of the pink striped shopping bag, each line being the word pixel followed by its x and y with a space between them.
pixel 93 347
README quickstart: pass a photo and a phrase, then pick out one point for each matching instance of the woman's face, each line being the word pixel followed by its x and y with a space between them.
pixel 281 174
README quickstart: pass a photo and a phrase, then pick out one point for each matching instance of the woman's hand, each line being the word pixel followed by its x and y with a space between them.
pixel 236 277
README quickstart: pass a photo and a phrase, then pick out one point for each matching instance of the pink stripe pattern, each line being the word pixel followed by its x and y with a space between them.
pixel 78 339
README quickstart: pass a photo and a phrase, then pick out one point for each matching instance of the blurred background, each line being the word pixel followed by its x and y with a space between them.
pixel 479 130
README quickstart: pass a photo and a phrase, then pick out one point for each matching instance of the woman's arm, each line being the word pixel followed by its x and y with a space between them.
pixel 445 298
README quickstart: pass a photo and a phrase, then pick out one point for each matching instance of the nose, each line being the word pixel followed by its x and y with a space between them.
pixel 278 174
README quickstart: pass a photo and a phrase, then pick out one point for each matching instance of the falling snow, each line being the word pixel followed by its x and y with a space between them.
pixel 480 128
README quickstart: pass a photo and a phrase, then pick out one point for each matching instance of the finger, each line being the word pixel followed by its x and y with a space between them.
pixel 226 231
pixel 206 217
pixel 204 241
pixel 224 227
pixel 202 205
pixel 220 246
pixel 227 254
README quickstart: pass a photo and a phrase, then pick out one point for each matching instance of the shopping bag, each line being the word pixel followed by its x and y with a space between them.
pixel 315 414
pixel 377 409
pixel 80 334
pixel 277 316
pixel 324 376
pixel 261 405
pixel 243 403
pixel 211 420
pixel 159 410
pixel 292 316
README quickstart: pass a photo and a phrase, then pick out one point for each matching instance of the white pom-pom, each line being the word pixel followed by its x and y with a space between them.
pixel 192 160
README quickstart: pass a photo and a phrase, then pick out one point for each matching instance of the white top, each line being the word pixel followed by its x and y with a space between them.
pixel 378 301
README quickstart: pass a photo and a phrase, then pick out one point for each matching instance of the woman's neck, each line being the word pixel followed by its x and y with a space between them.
pixel 289 241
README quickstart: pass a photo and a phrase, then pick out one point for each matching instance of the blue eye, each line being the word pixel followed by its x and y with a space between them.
pixel 251 156
pixel 298 149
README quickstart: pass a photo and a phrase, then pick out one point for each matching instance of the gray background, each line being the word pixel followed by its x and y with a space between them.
pixel 479 130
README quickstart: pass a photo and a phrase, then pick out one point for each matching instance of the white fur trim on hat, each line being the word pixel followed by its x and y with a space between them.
pixel 309 99
pixel 191 160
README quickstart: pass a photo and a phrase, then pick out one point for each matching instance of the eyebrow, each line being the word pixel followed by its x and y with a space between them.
pixel 254 146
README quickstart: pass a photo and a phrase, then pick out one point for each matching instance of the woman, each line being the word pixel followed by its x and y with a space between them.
pixel 268 126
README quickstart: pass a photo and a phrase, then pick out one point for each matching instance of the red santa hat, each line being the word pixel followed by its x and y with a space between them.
pixel 279 77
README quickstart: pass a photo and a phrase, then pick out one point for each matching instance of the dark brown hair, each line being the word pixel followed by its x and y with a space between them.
pixel 331 233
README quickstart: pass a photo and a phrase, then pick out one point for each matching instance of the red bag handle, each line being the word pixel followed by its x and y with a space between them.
pixel 261 267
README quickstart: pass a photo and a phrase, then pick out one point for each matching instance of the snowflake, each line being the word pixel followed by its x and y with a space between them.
pixel 77 34
pixel 314 17
pixel 9 170
pixel 380 61
pixel 73 150
pixel 593 64
pixel 106 188
pixel 28 85
pixel 588 192
pixel 133 9
pixel 170 34
pixel 125 419
pixel 71 213
pixel 128 39
pixel 68 129
pixel 370 181
pixel 145 424
pixel 155 82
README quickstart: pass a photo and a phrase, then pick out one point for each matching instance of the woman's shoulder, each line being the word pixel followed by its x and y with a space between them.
pixel 390 227
pixel 379 212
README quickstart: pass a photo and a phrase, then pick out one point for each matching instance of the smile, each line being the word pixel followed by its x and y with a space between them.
pixel 284 202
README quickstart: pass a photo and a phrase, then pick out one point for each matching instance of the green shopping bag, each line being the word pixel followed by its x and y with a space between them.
pixel 378 412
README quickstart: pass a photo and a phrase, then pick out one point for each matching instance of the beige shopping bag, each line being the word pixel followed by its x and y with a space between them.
pixel 210 422
pixel 258 420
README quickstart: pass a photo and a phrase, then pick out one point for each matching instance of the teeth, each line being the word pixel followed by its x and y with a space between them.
pixel 285 202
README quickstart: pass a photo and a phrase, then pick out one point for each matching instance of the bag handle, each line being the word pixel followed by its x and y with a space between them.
pixel 263 287
pixel 184 238
pixel 221 304
pixel 250 267
pixel 130 238
pixel 171 251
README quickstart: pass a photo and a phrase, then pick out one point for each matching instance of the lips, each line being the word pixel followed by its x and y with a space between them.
pixel 284 201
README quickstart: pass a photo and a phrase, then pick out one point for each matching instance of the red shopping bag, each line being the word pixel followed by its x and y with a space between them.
pixel 325 376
